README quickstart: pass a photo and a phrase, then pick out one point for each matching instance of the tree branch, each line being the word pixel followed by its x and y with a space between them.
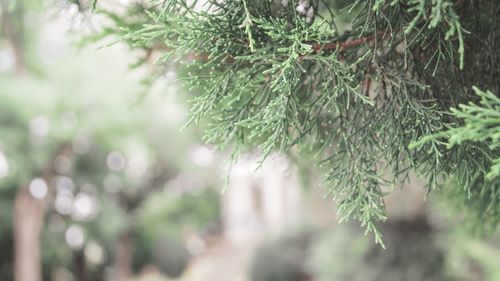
pixel 317 48
pixel 344 45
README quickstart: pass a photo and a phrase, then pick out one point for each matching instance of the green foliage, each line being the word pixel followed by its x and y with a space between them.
pixel 162 223
pixel 483 255
pixel 355 91
pixel 413 253
pixel 177 215
pixel 463 250
pixel 479 132
pixel 482 125
pixel 330 262
pixel 431 14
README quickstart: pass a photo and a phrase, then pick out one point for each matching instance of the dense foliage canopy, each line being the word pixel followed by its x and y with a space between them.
pixel 374 88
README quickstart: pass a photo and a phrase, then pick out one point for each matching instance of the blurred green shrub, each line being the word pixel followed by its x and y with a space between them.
pixel 171 256
pixel 283 259
pixel 472 258
pixel 165 220
pixel 412 254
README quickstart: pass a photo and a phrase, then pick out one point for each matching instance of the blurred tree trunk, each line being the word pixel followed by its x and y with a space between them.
pixel 28 211
pixel 28 222
pixel 130 202
pixel 80 266
pixel 13 28
pixel 29 216
pixel 123 261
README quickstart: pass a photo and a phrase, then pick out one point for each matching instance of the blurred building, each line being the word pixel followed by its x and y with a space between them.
pixel 261 201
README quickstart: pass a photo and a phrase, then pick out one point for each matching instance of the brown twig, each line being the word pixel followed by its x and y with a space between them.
pixel 333 46
pixel 344 45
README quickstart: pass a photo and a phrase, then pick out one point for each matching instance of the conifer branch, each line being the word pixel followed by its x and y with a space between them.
pixel 267 75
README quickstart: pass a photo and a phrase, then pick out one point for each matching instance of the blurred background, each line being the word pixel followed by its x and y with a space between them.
pixel 98 182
